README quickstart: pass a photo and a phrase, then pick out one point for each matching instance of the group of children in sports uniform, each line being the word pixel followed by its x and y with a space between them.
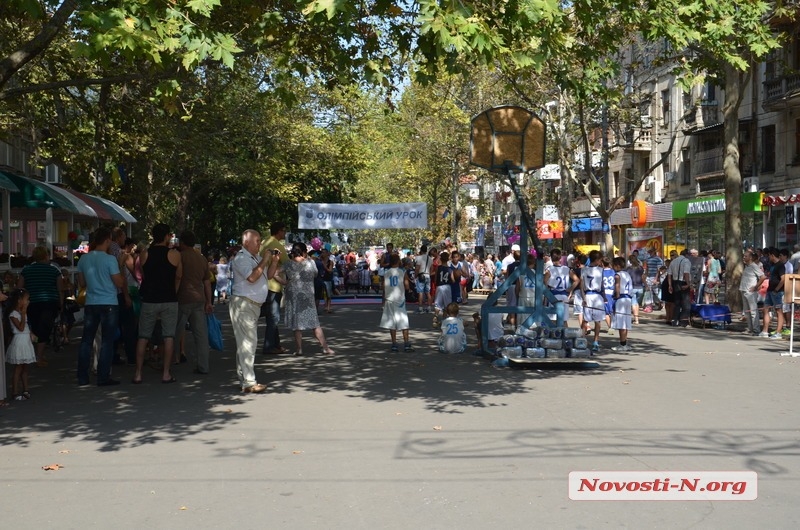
pixel 599 294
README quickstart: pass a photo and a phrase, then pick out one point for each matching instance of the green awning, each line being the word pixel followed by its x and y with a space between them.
pixel 6 183
pixel 34 193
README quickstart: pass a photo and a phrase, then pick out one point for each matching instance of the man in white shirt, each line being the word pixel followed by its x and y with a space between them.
pixel 679 281
pixel 424 264
pixel 752 277
pixel 249 292
pixel 510 258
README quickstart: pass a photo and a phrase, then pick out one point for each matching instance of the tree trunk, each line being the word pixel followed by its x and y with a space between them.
pixel 609 239
pixel 11 64
pixel 733 188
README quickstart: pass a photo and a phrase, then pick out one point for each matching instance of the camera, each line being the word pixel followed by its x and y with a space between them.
pixel 276 252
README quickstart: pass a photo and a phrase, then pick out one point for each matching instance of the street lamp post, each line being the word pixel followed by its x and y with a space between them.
pixel 455 202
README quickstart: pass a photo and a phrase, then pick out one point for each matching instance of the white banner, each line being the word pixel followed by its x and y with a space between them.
pixel 362 216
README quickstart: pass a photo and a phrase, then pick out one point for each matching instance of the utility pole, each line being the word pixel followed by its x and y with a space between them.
pixel 455 202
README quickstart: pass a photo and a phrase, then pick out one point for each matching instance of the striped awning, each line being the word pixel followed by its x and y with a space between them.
pixel 33 193
pixel 37 194
pixel 655 213
pixel 6 184
pixel 104 208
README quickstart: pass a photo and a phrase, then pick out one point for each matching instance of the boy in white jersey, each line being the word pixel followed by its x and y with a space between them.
pixel 594 311
pixel 395 285
pixel 623 288
pixel 453 338
pixel 556 278
pixel 526 286
pixel 444 290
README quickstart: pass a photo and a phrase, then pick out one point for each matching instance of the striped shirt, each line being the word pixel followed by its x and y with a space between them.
pixel 41 282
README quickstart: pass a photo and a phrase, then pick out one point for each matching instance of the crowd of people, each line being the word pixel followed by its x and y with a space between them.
pixel 145 299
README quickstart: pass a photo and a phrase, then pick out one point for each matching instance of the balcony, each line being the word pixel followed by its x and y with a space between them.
pixel 708 168
pixel 704 115
pixel 710 183
pixel 782 91
pixel 638 139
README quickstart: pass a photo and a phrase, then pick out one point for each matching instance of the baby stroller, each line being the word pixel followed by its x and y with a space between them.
pixel 651 300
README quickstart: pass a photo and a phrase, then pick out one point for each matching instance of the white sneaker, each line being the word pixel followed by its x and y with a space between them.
pixel 764 335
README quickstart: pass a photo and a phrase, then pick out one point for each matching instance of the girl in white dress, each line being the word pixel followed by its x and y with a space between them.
pixel 20 352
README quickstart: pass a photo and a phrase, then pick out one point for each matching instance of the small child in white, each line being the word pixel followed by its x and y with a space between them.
pixel 622 309
pixel 453 338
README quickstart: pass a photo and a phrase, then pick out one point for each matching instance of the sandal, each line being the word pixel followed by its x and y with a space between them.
pixel 328 351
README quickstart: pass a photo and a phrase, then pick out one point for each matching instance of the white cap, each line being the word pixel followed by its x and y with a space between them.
pixel 514 248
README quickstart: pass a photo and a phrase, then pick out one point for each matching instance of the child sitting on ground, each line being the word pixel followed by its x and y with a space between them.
pixel 453 338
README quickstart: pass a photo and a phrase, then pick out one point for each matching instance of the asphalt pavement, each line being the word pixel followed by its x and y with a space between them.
pixel 372 439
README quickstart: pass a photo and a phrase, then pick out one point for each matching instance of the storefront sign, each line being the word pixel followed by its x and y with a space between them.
pixel 587 224
pixel 638 214
pixel 791 217
pixel 701 207
pixel 652 238
pixel 550 229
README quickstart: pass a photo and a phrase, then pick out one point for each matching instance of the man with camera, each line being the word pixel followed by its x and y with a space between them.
pixel 271 309
pixel 251 275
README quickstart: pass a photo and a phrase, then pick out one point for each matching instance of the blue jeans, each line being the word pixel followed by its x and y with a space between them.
pixel 272 310
pixel 105 317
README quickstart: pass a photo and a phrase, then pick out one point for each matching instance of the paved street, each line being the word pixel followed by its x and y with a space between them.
pixel 369 439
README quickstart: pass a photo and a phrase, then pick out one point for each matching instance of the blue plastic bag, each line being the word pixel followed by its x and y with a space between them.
pixel 214 333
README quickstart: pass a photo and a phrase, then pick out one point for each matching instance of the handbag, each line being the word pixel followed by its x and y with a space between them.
pixel 214 333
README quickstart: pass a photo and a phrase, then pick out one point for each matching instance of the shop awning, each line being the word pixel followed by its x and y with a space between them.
pixel 122 213
pixel 780 200
pixel 80 205
pixel 104 208
pixel 6 184
pixel 37 194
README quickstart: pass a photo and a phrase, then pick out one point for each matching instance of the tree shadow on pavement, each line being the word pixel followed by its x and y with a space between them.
pixel 127 416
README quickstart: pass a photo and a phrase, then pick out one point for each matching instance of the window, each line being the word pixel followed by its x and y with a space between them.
pixel 772 66
pixel 709 96
pixel 52 174
pixel 665 105
pixel 686 170
pixel 796 53
pixel 768 148
pixel 796 141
